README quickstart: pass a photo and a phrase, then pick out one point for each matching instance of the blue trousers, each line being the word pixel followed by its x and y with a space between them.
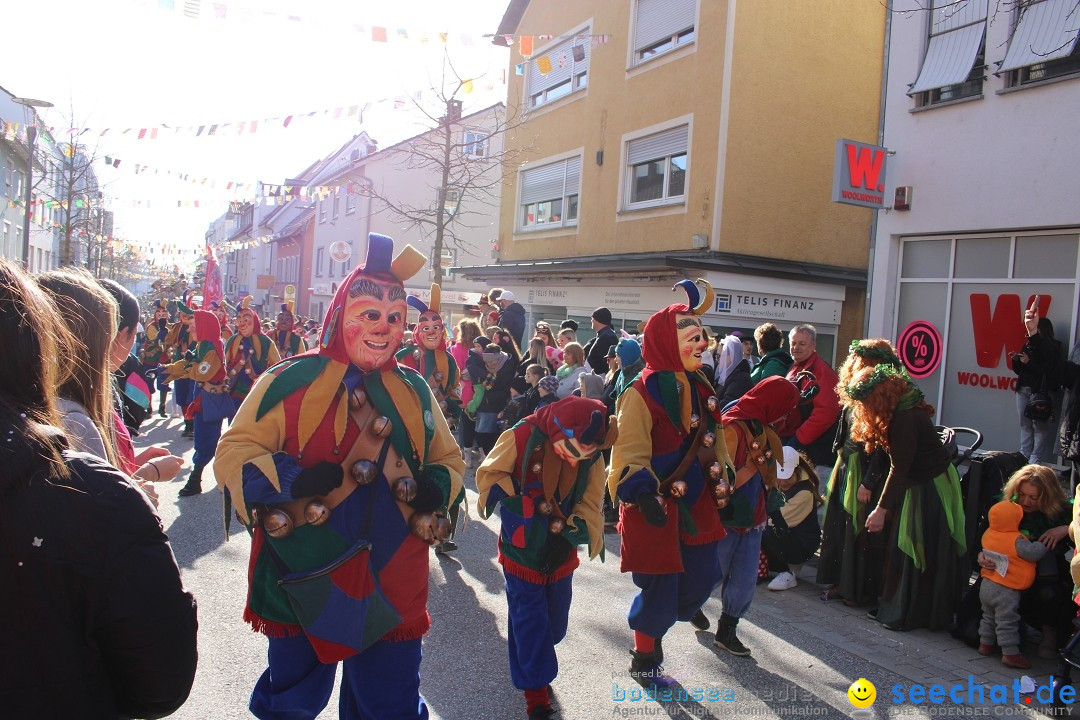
pixel 665 599
pixel 183 392
pixel 538 617
pixel 381 683
pixel 208 432
pixel 739 554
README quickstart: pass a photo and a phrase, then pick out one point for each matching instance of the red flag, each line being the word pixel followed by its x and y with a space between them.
pixel 212 289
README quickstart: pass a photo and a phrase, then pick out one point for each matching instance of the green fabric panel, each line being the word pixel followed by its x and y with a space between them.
pixel 266 598
pixel 911 537
pixel 309 598
pixel 399 436
pixel 441 477
pixel 300 373
pixel 380 616
pixel 669 396
pixel 853 474
pixel 423 394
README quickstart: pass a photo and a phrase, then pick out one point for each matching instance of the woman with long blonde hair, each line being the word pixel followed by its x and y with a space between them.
pixel 851 560
pixel 920 508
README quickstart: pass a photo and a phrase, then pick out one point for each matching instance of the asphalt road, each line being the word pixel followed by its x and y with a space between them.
pixel 792 673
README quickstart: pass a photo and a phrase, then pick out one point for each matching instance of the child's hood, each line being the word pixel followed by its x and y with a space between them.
pixel 1005 516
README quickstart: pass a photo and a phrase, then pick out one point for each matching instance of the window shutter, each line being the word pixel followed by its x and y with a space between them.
pixel 661 19
pixel 543 183
pixel 573 176
pixel 563 65
pixel 662 144
pixel 956 33
pixel 1047 31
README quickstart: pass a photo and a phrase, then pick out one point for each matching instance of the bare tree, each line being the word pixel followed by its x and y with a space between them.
pixel 469 169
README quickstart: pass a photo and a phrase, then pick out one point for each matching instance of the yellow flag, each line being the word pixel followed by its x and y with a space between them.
pixel 467 87
pixel 544 65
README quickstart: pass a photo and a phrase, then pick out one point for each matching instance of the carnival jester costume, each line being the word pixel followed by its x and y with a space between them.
pixel 548 474
pixel 429 356
pixel 342 466
pixel 212 403
pixel 179 341
pixel 222 310
pixel 248 353
pixel 154 352
pixel 665 469
pixel 285 338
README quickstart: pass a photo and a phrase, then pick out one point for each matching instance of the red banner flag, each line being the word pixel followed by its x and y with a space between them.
pixel 212 289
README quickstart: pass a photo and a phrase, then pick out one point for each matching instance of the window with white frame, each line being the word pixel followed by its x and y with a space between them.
pixel 656 168
pixel 337 206
pixel 351 198
pixel 322 209
pixel 1043 43
pixel 955 61
pixel 558 70
pixel 549 194
pixel 661 26
pixel 449 258
pixel 474 144
pixel 320 257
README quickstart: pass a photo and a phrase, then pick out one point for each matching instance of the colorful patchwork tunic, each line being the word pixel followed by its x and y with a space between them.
pixel 246 359
pixel 298 415
pixel 440 370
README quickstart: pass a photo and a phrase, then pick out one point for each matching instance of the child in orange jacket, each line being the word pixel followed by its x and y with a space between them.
pixel 1014 557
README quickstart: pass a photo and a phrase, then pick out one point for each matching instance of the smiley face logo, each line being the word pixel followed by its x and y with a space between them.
pixel 862 693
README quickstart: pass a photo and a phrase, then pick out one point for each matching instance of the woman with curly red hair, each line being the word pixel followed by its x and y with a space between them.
pixel 851 558
pixel 920 507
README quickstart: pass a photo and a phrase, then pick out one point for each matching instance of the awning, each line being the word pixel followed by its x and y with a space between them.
pixel 956 34
pixel 1047 30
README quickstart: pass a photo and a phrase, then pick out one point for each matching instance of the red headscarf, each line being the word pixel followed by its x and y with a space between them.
pixel 767 402
pixel 208 329
pixel 572 417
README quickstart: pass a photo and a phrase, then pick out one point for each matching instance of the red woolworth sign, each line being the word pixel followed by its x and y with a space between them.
pixel 997 332
pixel 859 174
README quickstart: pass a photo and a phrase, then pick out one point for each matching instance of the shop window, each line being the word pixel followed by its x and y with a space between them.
pixel 982 258
pixel 926 259
pixel 1046 256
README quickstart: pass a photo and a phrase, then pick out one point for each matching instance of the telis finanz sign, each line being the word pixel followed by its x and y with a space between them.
pixel 859 174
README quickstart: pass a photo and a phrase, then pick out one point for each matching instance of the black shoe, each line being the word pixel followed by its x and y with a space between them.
pixel 872 614
pixel 189 429
pixel 541 712
pixel 194 483
pixel 647 670
pixel 700 621
pixel 726 639
pixel 161 410
pixel 446 546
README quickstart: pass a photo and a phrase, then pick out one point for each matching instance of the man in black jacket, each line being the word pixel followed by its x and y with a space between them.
pixel 512 316
pixel 596 349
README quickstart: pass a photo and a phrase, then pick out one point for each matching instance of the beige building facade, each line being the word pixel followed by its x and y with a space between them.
pixel 688 138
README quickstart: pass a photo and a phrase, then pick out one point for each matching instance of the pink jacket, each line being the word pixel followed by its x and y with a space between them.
pixel 460 353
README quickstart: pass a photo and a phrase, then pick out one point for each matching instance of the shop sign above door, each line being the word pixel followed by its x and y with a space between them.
pixel 859 174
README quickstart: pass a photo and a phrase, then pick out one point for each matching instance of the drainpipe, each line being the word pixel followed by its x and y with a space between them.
pixel 881 142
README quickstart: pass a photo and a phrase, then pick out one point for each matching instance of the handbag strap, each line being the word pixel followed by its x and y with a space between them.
pixel 369 517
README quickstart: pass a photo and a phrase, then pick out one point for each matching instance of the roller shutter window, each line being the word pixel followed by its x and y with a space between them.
pixel 549 194
pixel 662 25
pixel 567 74
pixel 657 166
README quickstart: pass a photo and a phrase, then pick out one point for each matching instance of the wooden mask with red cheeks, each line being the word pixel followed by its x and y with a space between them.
pixel 245 322
pixel 373 322
pixel 429 331
pixel 691 340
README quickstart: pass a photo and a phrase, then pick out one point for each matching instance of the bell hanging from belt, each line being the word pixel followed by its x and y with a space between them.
pixel 536 468
pixel 678 489
pixel 381 426
pixel 443 528
pixel 712 403
pixel 316 512
pixel 708 439
pixel 716 471
pixel 556 526
pixel 363 472
pixel 695 420
pixel 544 507
pixel 404 489
pixel 357 398
pixel 276 523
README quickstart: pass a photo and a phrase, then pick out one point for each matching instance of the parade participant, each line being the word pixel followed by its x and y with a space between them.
pixel 320 443
pixel 668 491
pixel 287 341
pixel 430 356
pixel 548 474
pixel 248 353
pixel 212 402
pixel 222 310
pixel 755 449
pixel 153 352
pixel 178 342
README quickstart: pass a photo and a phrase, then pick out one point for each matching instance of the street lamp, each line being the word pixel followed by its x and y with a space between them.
pixel 31 139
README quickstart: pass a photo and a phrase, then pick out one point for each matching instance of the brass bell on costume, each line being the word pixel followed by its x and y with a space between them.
pixel 357 399
pixel 695 420
pixel 404 489
pixel 381 426
pixel 536 468
pixel 544 507
pixel 712 403
pixel 442 528
pixel 556 526
pixel 363 472
pixel 708 439
pixel 716 471
pixel 438 377
pixel 276 523
pixel 678 489
pixel 316 512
